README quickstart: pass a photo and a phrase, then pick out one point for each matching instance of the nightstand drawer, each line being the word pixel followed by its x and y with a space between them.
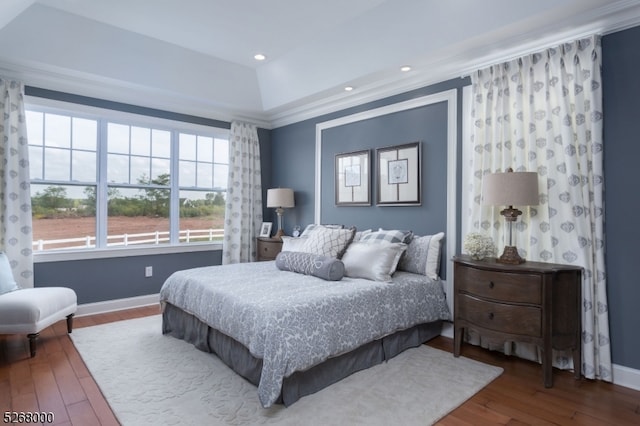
pixel 501 317
pixel 507 287
pixel 268 249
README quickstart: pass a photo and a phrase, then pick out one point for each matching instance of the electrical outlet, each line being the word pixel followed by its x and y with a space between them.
pixel 148 271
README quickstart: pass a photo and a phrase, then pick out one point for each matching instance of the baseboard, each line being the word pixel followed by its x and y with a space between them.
pixel 117 305
pixel 447 329
pixel 627 377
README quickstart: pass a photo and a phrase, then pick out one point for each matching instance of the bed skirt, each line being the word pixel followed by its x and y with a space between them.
pixel 187 327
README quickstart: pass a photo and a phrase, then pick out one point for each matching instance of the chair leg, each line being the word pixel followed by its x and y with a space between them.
pixel 70 323
pixel 32 343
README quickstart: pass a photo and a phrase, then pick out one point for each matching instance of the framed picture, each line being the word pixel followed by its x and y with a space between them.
pixel 265 229
pixel 353 179
pixel 398 182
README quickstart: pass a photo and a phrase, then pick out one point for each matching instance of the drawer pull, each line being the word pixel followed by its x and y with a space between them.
pixel 491 284
pixel 490 315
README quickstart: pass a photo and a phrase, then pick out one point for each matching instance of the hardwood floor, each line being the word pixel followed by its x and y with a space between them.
pixel 56 380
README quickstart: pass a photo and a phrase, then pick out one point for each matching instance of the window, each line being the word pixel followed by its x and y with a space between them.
pixel 203 164
pixel 102 181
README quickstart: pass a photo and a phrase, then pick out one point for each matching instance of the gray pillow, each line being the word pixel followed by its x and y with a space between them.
pixel 327 268
pixel 423 255
pixel 387 235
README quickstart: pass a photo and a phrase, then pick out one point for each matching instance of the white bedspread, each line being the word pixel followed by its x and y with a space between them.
pixel 293 321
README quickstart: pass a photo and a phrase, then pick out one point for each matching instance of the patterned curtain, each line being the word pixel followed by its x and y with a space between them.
pixel 16 234
pixel 243 213
pixel 543 112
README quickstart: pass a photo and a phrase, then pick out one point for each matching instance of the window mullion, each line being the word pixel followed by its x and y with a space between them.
pixel 102 189
pixel 174 197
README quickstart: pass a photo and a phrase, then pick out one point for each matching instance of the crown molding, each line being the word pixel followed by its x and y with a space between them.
pixel 467 58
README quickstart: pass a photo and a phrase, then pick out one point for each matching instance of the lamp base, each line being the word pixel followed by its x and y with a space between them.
pixel 510 256
pixel 279 234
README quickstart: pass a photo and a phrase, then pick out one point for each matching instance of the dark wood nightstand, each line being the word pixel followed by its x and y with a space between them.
pixel 267 248
pixel 533 302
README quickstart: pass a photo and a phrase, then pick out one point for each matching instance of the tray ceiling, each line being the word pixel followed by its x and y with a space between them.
pixel 197 56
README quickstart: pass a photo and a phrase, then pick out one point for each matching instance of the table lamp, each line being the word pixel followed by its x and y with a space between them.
pixel 510 189
pixel 280 199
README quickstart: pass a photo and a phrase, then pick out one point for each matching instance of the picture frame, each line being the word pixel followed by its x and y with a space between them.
pixel 265 229
pixel 352 178
pixel 399 175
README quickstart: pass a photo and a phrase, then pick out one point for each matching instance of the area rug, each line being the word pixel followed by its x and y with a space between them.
pixel 148 378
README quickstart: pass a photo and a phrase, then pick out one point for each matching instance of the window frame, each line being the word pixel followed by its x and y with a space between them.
pixel 105 116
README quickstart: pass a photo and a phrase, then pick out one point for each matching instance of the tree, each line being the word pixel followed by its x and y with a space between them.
pixel 53 197
pixel 91 199
pixel 155 198
pixel 214 199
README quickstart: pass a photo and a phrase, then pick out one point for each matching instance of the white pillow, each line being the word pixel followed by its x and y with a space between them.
pixel 314 226
pixel 433 258
pixel 375 262
pixel 7 282
pixel 292 243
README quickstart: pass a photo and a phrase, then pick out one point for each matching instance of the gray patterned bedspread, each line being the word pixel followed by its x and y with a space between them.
pixel 293 321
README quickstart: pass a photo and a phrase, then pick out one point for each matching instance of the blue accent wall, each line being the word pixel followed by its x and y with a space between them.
pixel 293 162
pixel 426 125
pixel 98 280
pixel 621 85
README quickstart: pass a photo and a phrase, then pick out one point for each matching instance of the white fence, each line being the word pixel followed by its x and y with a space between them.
pixel 157 237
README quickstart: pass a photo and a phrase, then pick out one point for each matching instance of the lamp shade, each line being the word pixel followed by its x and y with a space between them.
pixel 510 189
pixel 280 197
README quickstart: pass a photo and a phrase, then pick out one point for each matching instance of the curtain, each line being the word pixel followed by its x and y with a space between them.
pixel 16 234
pixel 543 112
pixel 243 212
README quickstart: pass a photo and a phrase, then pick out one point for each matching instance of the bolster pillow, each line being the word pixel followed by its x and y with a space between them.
pixel 327 268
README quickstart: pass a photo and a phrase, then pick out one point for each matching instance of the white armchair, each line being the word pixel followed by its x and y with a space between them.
pixel 31 310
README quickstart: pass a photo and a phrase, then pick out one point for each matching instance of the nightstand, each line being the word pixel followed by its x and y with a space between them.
pixel 267 248
pixel 532 302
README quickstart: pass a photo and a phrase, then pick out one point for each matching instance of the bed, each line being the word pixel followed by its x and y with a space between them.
pixel 291 332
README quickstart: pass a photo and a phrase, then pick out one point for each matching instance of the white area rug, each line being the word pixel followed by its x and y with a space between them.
pixel 148 378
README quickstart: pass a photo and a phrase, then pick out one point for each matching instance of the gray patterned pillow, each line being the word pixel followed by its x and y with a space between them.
pixel 388 235
pixel 324 267
pixel 328 242
pixel 423 256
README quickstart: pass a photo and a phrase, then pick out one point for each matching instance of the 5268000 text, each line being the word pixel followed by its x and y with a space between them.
pixel 28 417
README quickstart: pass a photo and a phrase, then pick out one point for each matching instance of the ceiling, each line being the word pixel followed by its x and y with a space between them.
pixel 197 56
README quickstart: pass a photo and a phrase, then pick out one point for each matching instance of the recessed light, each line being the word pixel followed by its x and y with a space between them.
pixel 405 68
pixel 348 88
pixel 259 57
